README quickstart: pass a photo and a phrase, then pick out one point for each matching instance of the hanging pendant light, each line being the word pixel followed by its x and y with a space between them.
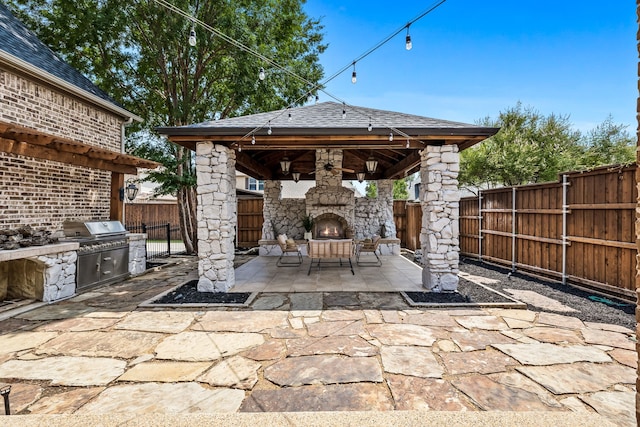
pixel 295 176
pixel 285 164
pixel 372 164
pixel 360 176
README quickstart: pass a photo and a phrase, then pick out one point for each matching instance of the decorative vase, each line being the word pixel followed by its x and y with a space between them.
pixel 307 235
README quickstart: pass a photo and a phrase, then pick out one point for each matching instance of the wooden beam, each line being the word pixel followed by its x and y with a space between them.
pixel 397 171
pixel 254 167
pixel 46 153
pixel 116 206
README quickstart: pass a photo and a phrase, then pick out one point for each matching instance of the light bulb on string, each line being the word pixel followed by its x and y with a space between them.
pixel 354 79
pixel 408 45
pixel 239 148
pixel 407 142
pixel 261 74
pixel 344 111
pixel 289 115
pixel 253 140
pixel 370 127
pixel 269 131
pixel 317 99
pixel 390 136
pixel 192 36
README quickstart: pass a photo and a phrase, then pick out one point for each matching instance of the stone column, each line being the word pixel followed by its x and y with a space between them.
pixel 217 216
pixel 272 194
pixel 440 209
pixel 385 199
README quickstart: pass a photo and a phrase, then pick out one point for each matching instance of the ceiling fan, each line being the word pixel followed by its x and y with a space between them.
pixel 333 169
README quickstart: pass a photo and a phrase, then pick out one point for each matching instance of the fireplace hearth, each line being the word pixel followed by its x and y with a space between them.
pixel 329 226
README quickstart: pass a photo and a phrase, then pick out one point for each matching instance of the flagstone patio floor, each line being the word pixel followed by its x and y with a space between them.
pixel 347 349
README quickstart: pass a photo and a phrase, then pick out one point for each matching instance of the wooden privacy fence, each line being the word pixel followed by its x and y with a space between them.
pixel 408 219
pixel 580 229
pixel 250 219
pixel 151 213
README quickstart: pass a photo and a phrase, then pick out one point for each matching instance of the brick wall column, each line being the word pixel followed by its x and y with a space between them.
pixel 217 216
pixel 439 198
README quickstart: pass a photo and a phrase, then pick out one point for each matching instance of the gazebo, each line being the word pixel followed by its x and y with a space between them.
pixel 328 142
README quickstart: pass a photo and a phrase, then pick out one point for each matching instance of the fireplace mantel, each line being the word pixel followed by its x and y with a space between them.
pixel 330 204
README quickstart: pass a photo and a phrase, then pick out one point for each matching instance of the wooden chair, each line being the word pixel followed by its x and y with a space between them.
pixel 369 247
pixel 288 248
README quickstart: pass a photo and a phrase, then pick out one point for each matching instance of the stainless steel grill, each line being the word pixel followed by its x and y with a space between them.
pixel 103 256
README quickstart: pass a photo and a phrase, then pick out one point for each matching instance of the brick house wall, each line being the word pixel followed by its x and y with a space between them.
pixel 44 193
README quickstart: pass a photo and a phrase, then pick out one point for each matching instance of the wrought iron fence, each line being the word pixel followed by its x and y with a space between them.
pixel 163 239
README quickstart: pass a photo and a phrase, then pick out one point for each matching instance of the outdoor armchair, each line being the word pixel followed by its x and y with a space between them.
pixel 288 246
pixel 369 247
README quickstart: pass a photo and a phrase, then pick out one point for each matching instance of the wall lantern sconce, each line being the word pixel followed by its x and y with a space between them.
pixel 372 164
pixel 360 176
pixel 296 176
pixel 130 191
pixel 285 164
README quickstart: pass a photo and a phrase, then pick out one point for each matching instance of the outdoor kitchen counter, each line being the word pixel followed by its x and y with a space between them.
pixel 33 251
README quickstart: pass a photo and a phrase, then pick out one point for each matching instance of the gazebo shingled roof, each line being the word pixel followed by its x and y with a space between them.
pixel 297 132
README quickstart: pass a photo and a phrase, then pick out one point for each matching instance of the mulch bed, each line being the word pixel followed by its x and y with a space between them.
pixel 188 294
pixel 467 293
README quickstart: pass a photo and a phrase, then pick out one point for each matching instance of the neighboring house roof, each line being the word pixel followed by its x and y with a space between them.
pixel 22 49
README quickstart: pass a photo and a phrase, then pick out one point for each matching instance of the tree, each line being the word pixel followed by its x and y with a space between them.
pixel 528 148
pixel 401 189
pixel 138 53
pixel 371 190
pixel 607 144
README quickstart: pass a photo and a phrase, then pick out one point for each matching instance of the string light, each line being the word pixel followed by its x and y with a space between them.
pixel 408 45
pixel 269 131
pixel 253 140
pixel 354 79
pixel 390 136
pixel 261 74
pixel 192 36
pixel 317 99
pixel 370 127
pixel 344 111
pixel 239 148
pixel 407 142
pixel 289 115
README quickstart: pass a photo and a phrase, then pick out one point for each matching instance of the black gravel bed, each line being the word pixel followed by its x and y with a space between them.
pixel 591 307
pixel 188 294
pixel 467 293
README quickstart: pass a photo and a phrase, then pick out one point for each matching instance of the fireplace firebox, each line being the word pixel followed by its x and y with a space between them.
pixel 329 226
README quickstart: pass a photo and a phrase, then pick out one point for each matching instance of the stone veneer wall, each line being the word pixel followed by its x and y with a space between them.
pixel 137 253
pixel 217 216
pixel 370 214
pixel 46 278
pixel 281 216
pixel 439 236
pixel 44 193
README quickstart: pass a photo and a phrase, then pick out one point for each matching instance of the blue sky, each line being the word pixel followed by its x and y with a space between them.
pixel 472 59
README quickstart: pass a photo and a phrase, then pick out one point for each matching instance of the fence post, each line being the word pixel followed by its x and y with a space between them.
pixel 565 211
pixel 480 225
pixel 168 239
pixel 513 230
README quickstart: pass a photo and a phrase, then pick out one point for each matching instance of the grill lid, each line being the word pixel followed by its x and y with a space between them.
pixel 94 229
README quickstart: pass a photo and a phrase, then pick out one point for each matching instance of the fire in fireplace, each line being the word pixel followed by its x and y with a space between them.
pixel 329 226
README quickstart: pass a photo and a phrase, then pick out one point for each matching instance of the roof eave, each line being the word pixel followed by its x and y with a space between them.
pixel 34 71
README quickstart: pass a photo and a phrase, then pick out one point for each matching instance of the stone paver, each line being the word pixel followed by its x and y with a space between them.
pixel 340 327
pixel 609 327
pixel 480 362
pixel 579 377
pixel 541 301
pixel 163 398
pixel 239 321
pixel 608 338
pixel 550 354
pixel 435 319
pixel 423 394
pixel 71 371
pixel 270 350
pixel 553 335
pixel 121 344
pixel 21 396
pixel 516 380
pixel 347 345
pixel 56 312
pixel 618 406
pixel 396 334
pixel 478 340
pixel 66 402
pixel 203 346
pixel 268 302
pixel 165 371
pixel 235 372
pixel 560 321
pixel 167 322
pixel 306 304
pixel 488 323
pixel 335 315
pixel 414 361
pixel 296 371
pixel 11 343
pixel 625 357
pixel 79 324
pixel 336 397
pixel 492 396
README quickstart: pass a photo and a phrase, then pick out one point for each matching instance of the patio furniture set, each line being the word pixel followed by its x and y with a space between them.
pixel 329 251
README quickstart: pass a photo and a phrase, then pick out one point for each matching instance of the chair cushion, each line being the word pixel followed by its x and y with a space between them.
pixel 282 239
pixel 291 244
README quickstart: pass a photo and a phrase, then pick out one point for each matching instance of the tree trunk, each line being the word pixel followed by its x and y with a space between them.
pixel 187 204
